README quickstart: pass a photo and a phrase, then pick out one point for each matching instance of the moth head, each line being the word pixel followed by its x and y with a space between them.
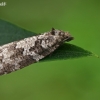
pixel 65 36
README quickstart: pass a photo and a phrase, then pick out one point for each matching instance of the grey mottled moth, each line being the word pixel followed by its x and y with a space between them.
pixel 18 54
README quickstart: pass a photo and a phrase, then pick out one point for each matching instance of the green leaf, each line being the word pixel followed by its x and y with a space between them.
pixel 67 51
pixel 10 33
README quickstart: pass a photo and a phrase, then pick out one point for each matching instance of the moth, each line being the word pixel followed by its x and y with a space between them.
pixel 19 54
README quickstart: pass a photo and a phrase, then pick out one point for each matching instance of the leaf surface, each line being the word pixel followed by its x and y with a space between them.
pixel 10 32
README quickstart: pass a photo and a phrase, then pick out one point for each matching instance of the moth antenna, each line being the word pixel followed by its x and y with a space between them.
pixel 53 31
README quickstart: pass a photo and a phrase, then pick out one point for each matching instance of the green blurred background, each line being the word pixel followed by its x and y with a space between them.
pixel 73 79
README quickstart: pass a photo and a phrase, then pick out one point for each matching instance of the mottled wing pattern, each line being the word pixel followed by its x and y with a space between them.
pixel 18 54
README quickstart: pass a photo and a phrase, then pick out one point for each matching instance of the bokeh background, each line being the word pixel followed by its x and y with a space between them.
pixel 73 79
